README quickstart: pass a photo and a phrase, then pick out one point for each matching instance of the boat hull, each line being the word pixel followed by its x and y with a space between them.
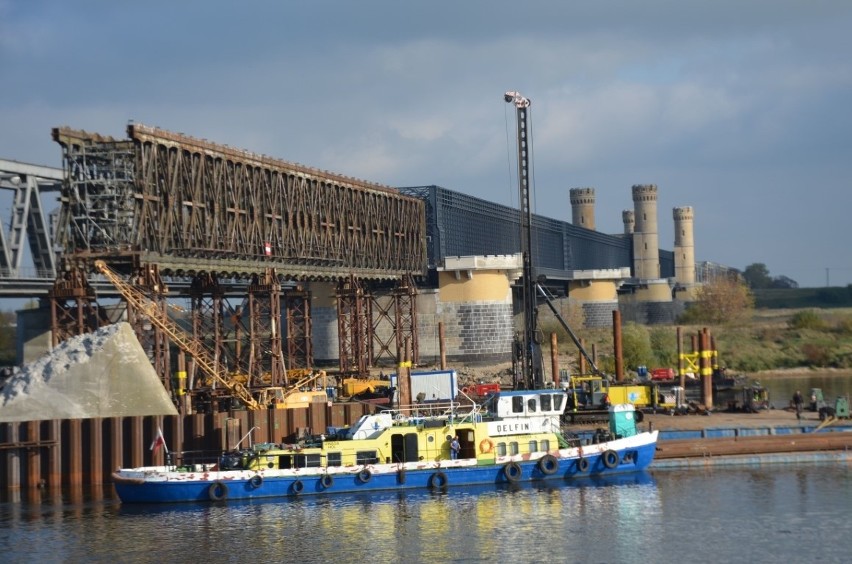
pixel 161 485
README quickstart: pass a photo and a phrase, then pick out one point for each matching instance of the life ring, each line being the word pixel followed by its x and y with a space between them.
pixel 582 464
pixel 512 471
pixel 298 486
pixel 256 481
pixel 610 459
pixel 365 476
pixel 327 481
pixel 438 480
pixel 486 446
pixel 548 464
pixel 218 491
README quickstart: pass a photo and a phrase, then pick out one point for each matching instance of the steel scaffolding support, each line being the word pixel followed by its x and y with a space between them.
pixel 154 342
pixel 73 306
pixel 395 320
pixel 297 305
pixel 265 360
pixel 207 305
pixel 354 327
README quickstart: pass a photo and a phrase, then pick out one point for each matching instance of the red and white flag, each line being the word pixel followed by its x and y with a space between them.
pixel 159 441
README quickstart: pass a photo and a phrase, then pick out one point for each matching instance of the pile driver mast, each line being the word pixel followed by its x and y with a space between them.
pixel 527 351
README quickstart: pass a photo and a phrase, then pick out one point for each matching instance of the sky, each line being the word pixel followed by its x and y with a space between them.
pixel 742 110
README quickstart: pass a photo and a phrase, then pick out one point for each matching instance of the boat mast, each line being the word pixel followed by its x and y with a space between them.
pixel 528 349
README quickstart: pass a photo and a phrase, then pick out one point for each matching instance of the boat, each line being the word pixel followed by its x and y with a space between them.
pixel 513 437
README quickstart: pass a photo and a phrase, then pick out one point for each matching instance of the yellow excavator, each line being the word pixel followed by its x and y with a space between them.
pixel 291 396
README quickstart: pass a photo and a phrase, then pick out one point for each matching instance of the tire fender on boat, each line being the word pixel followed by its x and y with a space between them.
pixel 512 471
pixel 610 458
pixel 256 481
pixel 438 480
pixel 365 476
pixel 548 464
pixel 327 481
pixel 298 486
pixel 582 464
pixel 486 446
pixel 218 491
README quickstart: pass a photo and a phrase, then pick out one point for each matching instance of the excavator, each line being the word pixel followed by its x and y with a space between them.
pixel 300 394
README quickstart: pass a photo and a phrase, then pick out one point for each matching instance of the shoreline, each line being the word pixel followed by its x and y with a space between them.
pixel 800 372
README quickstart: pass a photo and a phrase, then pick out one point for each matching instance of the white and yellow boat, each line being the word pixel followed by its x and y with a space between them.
pixel 513 437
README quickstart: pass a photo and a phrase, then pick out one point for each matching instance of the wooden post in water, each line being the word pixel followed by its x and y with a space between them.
pixel 441 345
pixel 54 454
pixel 404 376
pixel 706 371
pixel 33 437
pixel 680 370
pixel 616 338
pixel 74 442
pixel 96 450
pixel 554 359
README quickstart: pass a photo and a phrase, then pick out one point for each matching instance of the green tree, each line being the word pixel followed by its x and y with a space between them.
pixel 757 276
pixel 724 300
pixel 635 345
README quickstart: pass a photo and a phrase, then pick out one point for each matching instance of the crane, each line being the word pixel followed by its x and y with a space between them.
pixel 528 348
pixel 203 358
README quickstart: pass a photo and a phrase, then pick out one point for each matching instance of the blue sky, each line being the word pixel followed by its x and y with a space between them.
pixel 739 109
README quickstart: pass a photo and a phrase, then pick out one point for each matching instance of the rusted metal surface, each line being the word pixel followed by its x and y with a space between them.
pixel 354 326
pixel 804 442
pixel 297 308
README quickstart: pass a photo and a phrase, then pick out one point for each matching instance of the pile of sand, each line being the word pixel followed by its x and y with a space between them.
pixel 100 374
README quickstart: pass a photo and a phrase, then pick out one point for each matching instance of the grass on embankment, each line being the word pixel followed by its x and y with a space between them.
pixel 773 339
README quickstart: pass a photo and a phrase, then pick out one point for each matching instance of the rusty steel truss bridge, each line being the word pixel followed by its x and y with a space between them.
pixel 237 232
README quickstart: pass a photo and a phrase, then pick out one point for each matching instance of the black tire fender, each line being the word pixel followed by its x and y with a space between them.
pixel 610 458
pixel 512 471
pixel 548 464
pixel 438 480
pixel 327 481
pixel 218 491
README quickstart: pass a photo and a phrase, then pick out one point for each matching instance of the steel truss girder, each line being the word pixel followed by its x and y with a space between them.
pixel 174 196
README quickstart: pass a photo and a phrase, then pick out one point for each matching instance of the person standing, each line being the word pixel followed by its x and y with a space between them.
pixel 455 447
pixel 798 403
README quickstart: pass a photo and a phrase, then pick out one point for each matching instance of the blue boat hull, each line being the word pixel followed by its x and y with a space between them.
pixel 219 487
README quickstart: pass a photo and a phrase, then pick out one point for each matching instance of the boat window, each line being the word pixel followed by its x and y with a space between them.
pixel 334 459
pixel 545 445
pixel 517 404
pixel 545 402
pixel 307 460
pixel 531 405
pixel 501 449
pixel 366 457
pixel 513 448
pixel 557 401
pixel 533 446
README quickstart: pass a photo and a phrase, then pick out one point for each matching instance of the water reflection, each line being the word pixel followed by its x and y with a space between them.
pixel 729 514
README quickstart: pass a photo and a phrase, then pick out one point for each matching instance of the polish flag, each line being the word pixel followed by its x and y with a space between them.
pixel 159 441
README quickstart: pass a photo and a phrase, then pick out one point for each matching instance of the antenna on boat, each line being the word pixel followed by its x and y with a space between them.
pixel 527 349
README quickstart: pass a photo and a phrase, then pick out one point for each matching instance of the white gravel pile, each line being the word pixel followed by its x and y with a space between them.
pixel 100 374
